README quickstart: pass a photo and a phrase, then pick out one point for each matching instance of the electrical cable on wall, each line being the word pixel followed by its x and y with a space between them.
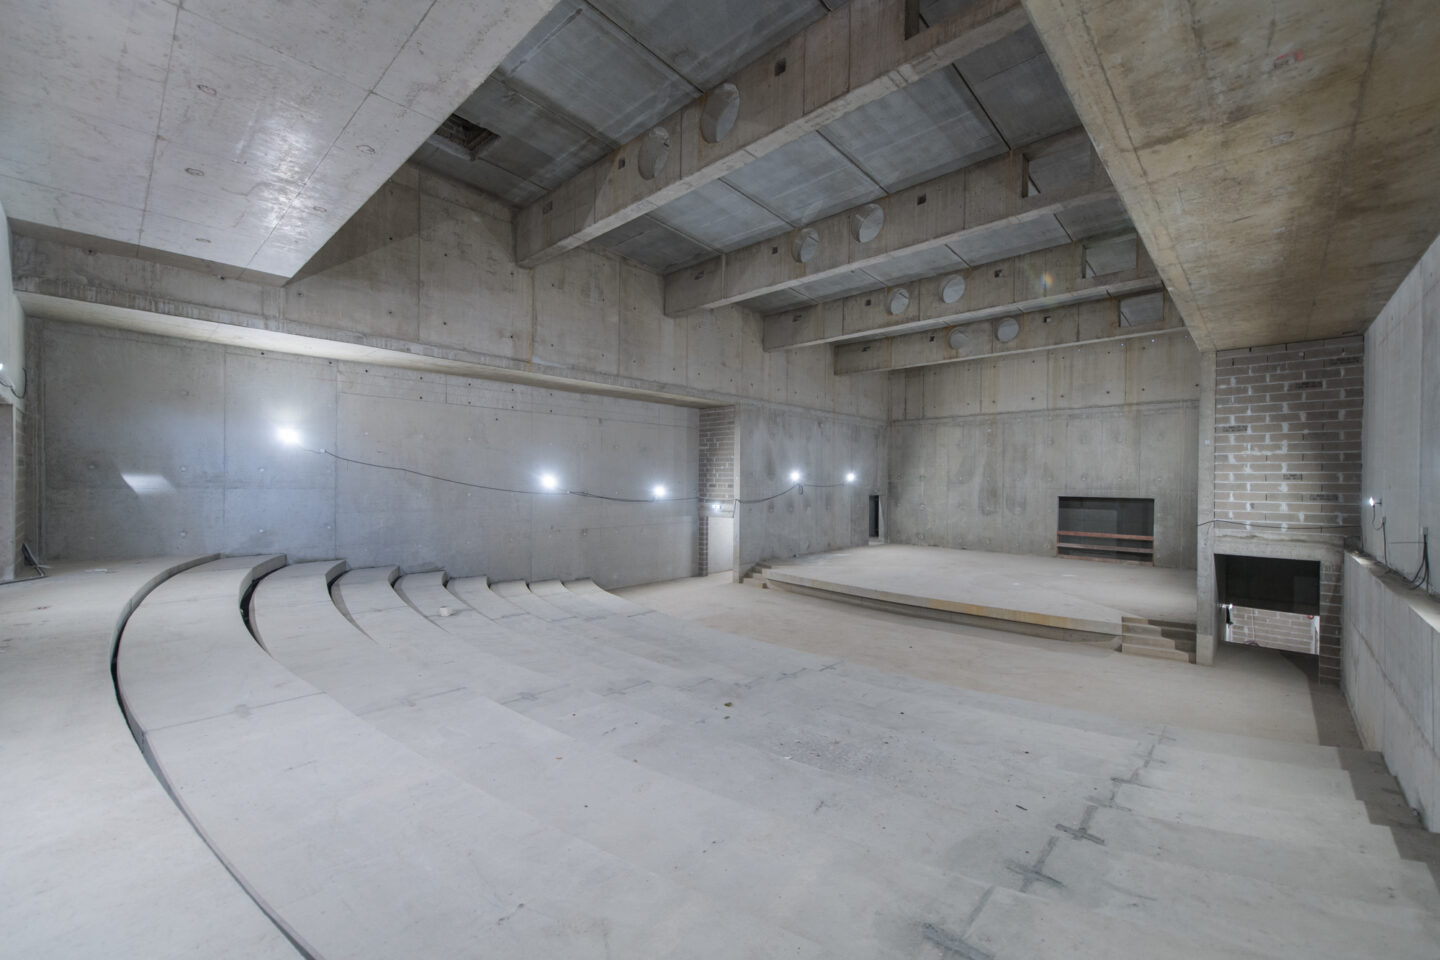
pixel 18 394
pixel 1274 524
pixel 583 494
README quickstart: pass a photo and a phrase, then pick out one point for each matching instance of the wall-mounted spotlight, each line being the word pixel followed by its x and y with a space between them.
pixel 714 508
pixel 794 476
pixel 288 436
pixel 850 477
pixel 1374 502
pixel 659 491
pixel 548 481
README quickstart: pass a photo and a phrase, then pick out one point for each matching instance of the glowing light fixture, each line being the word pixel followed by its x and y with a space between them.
pixel 548 481
pixel 288 436
pixel 715 507
pixel 850 477
pixel 659 491
pixel 794 476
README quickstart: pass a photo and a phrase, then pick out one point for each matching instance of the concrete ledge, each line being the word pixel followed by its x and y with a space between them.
pixel 1028 622
pixel 1390 652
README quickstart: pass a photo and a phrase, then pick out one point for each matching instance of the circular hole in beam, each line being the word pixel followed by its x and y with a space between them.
pixel 865 223
pixel 654 151
pixel 806 245
pixel 898 300
pixel 952 289
pixel 722 107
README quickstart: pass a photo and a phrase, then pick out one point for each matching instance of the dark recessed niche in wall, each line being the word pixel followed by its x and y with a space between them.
pixel 1107 528
pixel 1268 583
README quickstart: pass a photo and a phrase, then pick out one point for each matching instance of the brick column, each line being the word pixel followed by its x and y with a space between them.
pixel 717 476
pixel 1287 461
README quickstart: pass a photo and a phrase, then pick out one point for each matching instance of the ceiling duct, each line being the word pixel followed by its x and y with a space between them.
pixel 461 138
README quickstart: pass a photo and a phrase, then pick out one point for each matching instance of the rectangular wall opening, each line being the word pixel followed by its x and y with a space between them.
pixel 1270 601
pixel 1268 583
pixel 874 516
pixel 1107 528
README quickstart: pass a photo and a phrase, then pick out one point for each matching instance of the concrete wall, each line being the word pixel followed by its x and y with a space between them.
pixel 980 452
pixel 1392 661
pixel 1391 629
pixel 828 514
pixel 1402 421
pixel 426 268
pixel 155 446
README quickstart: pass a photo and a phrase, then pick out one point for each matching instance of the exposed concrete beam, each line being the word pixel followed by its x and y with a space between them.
pixel 1095 322
pixel 852 56
pixel 1280 160
pixel 986 199
pixel 1043 280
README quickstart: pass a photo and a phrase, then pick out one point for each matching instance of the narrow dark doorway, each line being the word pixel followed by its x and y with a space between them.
pixel 874 515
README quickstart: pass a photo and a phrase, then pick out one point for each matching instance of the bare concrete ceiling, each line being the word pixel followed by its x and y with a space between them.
pixel 239 133
pixel 1280 160
pixel 247 135
pixel 595 75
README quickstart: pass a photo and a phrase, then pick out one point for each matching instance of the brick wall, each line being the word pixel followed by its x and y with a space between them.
pixel 1287 457
pixel 1287 433
pixel 717 475
pixel 1271 628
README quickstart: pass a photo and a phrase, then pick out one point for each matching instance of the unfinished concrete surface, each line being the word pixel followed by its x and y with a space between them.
pixel 223 481
pixel 1278 159
pixel 1047 595
pixel 242 136
pixel 454 243
pixel 1251 692
pixel 98 860
pixel 632 763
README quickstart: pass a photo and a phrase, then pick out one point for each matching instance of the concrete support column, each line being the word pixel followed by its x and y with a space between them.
pixel 1206 619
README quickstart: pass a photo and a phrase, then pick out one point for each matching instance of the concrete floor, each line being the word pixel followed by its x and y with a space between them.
pixel 1250 691
pixel 403 765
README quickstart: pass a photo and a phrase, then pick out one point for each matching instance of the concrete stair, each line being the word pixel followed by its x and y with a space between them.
pixel 1162 639
pixel 755 576
pixel 647 784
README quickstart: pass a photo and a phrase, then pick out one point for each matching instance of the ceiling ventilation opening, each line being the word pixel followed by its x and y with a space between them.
pixel 1142 311
pixel 461 138
pixel 923 14
pixel 1110 255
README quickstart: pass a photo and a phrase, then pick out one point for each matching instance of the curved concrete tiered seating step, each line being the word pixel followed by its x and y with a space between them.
pixel 649 819
pixel 401 762
pixel 95 860
pixel 359 846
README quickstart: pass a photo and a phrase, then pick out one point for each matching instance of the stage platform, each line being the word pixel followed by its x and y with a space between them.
pixel 1055 597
